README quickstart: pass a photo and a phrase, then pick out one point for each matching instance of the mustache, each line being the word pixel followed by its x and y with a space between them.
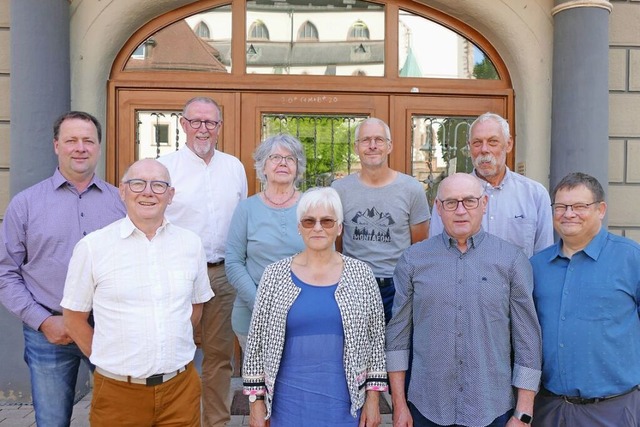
pixel 488 158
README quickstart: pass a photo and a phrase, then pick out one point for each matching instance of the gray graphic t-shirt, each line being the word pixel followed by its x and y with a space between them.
pixel 377 220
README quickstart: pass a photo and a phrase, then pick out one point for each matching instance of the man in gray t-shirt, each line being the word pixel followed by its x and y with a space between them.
pixel 385 211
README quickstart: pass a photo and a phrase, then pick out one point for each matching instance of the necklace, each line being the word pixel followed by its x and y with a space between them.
pixel 264 193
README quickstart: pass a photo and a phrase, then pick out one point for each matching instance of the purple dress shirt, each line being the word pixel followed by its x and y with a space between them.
pixel 40 229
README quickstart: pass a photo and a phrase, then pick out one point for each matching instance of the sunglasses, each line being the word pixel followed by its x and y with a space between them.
pixel 311 222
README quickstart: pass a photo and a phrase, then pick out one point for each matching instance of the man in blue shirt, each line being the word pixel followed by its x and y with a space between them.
pixel 587 289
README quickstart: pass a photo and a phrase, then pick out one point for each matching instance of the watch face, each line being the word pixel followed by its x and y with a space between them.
pixel 252 398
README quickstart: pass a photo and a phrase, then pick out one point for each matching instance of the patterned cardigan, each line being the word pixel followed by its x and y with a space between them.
pixel 362 314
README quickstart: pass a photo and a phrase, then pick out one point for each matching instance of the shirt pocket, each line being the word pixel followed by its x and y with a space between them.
pixel 596 300
pixel 522 233
pixel 494 298
pixel 181 283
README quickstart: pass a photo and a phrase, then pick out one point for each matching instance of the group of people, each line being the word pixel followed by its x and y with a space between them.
pixel 470 313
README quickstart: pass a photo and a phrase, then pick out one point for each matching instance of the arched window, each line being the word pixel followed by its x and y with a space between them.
pixel 202 31
pixel 308 32
pixel 258 31
pixel 358 31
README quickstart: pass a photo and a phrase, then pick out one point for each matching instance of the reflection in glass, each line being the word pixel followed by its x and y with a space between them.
pixel 428 49
pixel 157 133
pixel 327 139
pixel 332 37
pixel 201 42
pixel 439 149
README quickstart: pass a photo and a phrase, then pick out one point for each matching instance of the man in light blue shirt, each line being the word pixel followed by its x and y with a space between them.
pixel 587 293
pixel 518 208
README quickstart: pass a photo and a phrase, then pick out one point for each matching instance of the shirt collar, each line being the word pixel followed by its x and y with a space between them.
pixel 127 227
pixel 485 184
pixel 59 180
pixel 592 250
pixel 472 241
pixel 194 157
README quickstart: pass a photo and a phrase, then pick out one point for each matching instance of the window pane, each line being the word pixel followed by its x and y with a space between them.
pixel 316 38
pixel 201 42
pixel 327 140
pixel 157 133
pixel 428 49
pixel 439 149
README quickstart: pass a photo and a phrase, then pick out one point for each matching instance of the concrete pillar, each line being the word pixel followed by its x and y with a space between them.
pixel 40 86
pixel 40 82
pixel 580 100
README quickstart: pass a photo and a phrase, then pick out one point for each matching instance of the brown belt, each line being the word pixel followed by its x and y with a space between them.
pixel 149 381
pixel 215 264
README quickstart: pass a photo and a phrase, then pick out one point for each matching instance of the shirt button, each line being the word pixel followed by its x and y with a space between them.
pixel 84 233
pixel 82 214
pixel 562 318
pixel 459 334
pixel 461 389
pixel 561 345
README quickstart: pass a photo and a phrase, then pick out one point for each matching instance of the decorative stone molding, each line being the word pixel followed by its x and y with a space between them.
pixel 572 4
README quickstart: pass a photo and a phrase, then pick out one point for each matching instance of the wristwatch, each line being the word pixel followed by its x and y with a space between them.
pixel 254 397
pixel 525 418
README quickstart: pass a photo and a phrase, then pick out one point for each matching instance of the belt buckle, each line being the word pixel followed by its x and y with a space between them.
pixel 155 380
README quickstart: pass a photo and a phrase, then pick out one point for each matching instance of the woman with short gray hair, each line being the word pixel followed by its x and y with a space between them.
pixel 263 228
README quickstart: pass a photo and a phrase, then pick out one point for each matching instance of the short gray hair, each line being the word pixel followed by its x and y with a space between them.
pixel 287 142
pixel 504 125
pixel 204 100
pixel 325 197
pixel 377 121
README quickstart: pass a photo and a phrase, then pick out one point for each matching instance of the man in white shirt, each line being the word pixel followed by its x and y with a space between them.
pixel 145 280
pixel 518 208
pixel 209 184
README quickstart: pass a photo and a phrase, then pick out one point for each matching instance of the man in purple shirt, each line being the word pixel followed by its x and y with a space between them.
pixel 40 229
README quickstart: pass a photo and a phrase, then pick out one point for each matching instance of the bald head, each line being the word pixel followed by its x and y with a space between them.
pixel 147 165
pixel 461 204
pixel 458 180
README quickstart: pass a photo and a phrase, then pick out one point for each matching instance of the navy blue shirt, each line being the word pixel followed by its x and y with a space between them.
pixel 588 310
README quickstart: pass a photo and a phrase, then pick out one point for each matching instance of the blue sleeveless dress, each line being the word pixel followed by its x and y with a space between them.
pixel 311 387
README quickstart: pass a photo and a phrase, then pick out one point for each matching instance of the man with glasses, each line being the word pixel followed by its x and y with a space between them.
pixel 209 184
pixel 518 208
pixel 385 211
pixel 40 228
pixel 146 281
pixel 587 293
pixel 466 294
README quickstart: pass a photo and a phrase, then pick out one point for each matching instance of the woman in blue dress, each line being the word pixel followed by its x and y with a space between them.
pixel 315 349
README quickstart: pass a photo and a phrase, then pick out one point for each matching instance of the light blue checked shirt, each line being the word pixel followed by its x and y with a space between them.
pixel 518 210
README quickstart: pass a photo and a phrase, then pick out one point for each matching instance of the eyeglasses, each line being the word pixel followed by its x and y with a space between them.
pixel 311 222
pixel 139 185
pixel 378 140
pixel 577 208
pixel 209 124
pixel 276 159
pixel 467 202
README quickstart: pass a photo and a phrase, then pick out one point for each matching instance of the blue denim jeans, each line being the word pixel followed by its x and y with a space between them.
pixel 54 371
pixel 420 420
pixel 387 292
